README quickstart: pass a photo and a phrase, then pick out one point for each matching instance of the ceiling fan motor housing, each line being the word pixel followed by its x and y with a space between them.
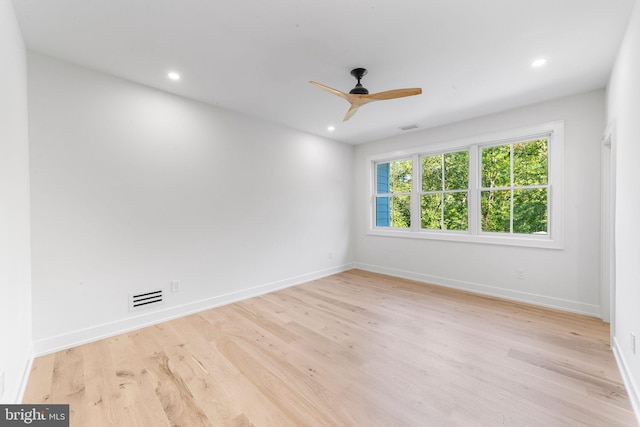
pixel 358 73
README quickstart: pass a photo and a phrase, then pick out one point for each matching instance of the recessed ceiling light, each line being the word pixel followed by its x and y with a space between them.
pixel 539 62
pixel 331 128
pixel 173 76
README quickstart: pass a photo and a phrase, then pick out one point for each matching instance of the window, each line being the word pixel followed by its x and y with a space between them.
pixel 445 191
pixel 504 188
pixel 393 193
pixel 514 189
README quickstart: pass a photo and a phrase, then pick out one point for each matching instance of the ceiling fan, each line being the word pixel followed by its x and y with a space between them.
pixel 358 96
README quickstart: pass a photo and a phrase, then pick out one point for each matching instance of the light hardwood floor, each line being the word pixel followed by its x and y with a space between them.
pixel 353 349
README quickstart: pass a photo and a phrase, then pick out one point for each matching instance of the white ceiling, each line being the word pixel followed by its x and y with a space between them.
pixel 470 57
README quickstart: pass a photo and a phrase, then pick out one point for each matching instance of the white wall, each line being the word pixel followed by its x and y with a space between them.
pixel 15 267
pixel 133 188
pixel 567 278
pixel 623 109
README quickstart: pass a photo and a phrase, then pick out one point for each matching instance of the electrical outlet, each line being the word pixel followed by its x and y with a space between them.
pixel 520 274
pixel 633 343
pixel 175 285
pixel 2 384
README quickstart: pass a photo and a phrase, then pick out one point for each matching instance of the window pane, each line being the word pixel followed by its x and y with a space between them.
pixel 455 211
pixel 393 177
pixel 383 212
pixel 401 211
pixel 496 166
pixel 530 163
pixel 400 176
pixel 530 211
pixel 432 173
pixel 382 178
pixel 496 211
pixel 431 208
pixel 456 170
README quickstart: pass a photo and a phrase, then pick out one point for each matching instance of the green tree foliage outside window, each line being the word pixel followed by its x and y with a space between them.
pixel 444 196
pixel 514 195
pixel 514 190
pixel 393 197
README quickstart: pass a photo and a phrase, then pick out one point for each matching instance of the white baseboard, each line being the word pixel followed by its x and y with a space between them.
pixel 25 377
pixel 629 383
pixel 541 300
pixel 16 386
pixel 94 333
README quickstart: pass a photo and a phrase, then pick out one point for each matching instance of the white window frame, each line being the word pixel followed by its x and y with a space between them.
pixel 443 191
pixel 390 195
pixel 552 131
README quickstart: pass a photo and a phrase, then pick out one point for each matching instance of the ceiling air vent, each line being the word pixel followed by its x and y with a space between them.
pixel 145 299
pixel 408 127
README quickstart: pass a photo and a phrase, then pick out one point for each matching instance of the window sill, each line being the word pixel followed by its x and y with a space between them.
pixel 543 242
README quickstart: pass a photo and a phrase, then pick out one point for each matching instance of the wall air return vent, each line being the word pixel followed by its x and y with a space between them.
pixel 146 299
pixel 408 127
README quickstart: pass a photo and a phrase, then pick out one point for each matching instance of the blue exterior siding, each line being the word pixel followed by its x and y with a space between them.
pixel 382 203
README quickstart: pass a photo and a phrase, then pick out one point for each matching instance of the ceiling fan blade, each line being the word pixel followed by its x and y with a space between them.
pixel 351 112
pixel 331 90
pixel 393 94
pixel 358 101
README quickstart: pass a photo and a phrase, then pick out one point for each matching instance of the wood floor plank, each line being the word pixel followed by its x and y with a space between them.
pixel 137 385
pixel 40 379
pixel 68 385
pixel 353 349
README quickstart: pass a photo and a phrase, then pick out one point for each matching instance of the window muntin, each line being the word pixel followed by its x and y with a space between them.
pixel 394 185
pixel 445 191
pixel 514 192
